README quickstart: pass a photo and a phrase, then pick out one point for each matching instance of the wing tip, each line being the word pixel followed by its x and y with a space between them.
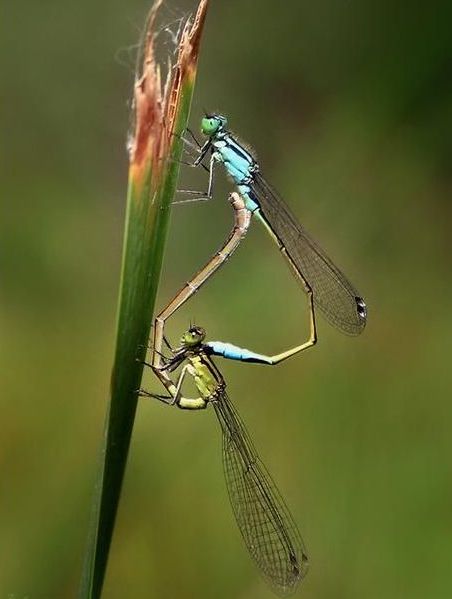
pixel 300 567
pixel 352 322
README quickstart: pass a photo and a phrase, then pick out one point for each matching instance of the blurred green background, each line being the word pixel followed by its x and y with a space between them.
pixel 348 105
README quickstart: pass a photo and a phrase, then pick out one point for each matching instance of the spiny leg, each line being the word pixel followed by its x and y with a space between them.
pixel 173 389
pixel 198 149
pixel 194 146
pixel 176 397
pixel 201 195
pixel 167 399
pixel 195 139
pixel 163 357
pixel 167 343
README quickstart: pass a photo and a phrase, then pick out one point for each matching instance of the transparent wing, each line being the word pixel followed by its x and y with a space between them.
pixel 266 525
pixel 333 293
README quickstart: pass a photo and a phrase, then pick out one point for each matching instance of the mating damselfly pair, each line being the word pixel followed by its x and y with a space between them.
pixel 268 529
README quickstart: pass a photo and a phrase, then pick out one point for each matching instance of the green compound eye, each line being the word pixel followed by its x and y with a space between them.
pixel 210 124
pixel 194 336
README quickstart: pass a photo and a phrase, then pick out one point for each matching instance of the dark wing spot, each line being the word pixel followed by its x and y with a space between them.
pixel 294 564
pixel 361 307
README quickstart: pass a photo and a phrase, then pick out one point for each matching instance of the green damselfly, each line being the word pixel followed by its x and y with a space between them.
pixel 265 523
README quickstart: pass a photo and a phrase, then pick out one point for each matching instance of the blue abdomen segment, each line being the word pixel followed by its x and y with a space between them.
pixel 233 352
pixel 250 203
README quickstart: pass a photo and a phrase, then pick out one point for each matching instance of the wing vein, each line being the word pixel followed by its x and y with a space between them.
pixel 333 293
pixel 266 525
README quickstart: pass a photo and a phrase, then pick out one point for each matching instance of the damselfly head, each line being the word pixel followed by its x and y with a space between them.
pixel 211 124
pixel 194 336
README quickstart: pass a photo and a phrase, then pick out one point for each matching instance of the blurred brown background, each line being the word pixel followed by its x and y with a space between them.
pixel 348 105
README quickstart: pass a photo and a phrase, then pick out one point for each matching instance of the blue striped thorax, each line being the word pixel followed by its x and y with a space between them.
pixel 238 162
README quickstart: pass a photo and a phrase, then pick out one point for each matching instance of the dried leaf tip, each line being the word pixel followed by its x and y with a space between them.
pixel 156 104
